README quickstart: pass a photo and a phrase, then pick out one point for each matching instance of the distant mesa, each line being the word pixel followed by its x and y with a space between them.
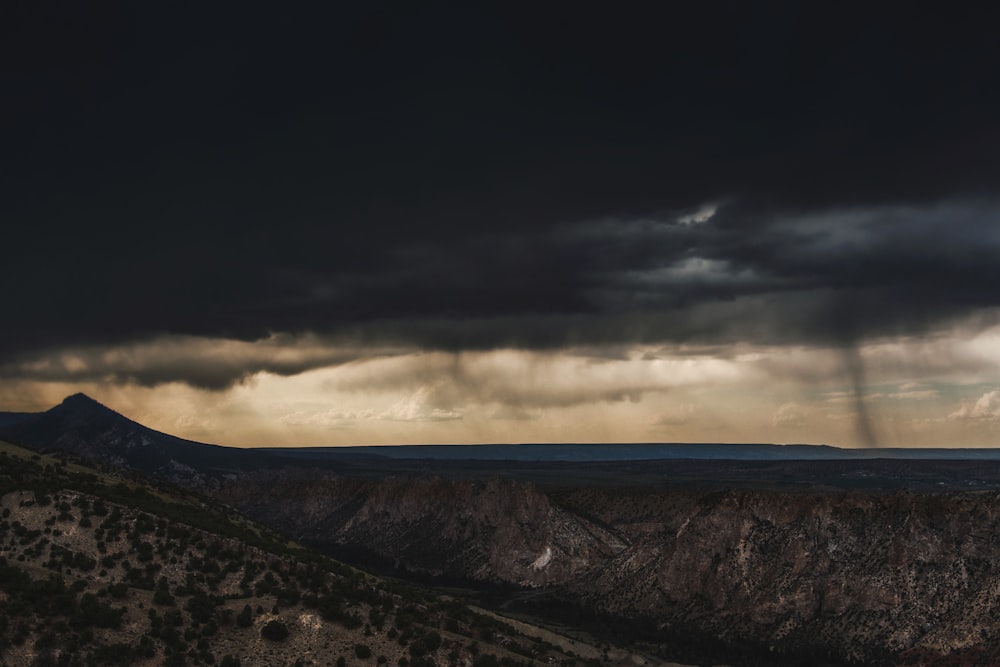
pixel 82 426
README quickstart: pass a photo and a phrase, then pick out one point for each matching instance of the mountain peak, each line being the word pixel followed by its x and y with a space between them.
pixel 85 428
pixel 79 399
pixel 83 404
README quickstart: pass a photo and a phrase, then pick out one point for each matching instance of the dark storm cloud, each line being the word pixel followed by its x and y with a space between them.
pixel 199 362
pixel 462 178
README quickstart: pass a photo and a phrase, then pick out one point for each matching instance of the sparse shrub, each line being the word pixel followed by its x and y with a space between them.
pixel 163 597
pixel 418 648
pixel 145 648
pixel 362 651
pixel 486 660
pixel 245 617
pixel 224 616
pixel 99 508
pixel 274 631
pixel 93 612
pixel 201 607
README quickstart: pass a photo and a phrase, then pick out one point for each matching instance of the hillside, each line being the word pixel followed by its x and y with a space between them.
pixel 82 427
pixel 836 562
pixel 99 570
pixel 739 575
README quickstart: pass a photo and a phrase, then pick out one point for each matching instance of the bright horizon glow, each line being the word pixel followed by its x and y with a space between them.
pixel 931 392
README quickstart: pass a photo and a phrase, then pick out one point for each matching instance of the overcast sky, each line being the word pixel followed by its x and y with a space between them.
pixel 418 222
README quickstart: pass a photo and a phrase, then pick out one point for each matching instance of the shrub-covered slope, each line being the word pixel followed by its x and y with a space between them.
pixel 96 570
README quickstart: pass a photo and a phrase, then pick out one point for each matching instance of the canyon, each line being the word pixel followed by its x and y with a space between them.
pixel 860 561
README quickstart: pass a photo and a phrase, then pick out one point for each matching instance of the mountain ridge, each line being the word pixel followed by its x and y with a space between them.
pixel 79 424
pixel 83 427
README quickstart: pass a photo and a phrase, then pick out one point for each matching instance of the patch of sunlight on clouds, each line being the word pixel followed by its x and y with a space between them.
pixel 417 407
pixel 705 213
pixel 789 415
pixel 618 393
pixel 985 408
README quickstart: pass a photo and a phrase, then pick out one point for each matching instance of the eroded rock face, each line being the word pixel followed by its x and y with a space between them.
pixel 497 531
pixel 853 576
pixel 859 576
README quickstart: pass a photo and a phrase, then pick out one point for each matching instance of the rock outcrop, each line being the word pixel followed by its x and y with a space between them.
pixel 860 576
pixel 494 531
pixel 849 577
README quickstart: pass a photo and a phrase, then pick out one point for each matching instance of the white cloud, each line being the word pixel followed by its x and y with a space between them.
pixel 915 395
pixel 692 271
pixel 418 407
pixel 336 419
pixel 512 413
pixel 534 380
pixel 677 415
pixel 210 363
pixel 701 216
pixel 986 408
pixel 190 425
pixel 789 415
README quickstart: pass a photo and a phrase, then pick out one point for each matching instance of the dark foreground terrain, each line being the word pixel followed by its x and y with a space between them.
pixel 868 577
pixel 826 559
pixel 109 569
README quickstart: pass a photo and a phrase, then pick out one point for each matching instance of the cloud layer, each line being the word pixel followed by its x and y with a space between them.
pixel 477 178
pixel 512 215
pixel 833 278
